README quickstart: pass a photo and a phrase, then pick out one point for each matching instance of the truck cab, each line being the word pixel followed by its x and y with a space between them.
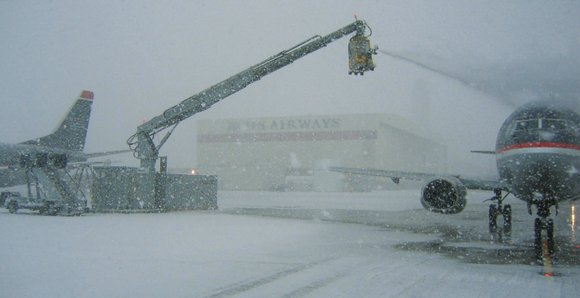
pixel 13 201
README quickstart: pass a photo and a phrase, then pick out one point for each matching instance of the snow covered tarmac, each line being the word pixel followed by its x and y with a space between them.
pixel 376 244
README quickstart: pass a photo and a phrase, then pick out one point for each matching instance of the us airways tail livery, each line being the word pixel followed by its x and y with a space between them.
pixel 65 144
pixel 538 160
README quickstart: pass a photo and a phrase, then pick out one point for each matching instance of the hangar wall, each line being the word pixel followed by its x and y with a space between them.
pixel 290 153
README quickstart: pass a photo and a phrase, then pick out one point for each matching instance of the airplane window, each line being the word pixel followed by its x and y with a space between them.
pixel 573 127
pixel 527 124
pixel 554 124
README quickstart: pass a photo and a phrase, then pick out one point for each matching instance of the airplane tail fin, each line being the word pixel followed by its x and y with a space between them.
pixel 72 131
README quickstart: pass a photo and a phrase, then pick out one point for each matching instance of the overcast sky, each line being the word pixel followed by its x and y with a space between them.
pixel 142 57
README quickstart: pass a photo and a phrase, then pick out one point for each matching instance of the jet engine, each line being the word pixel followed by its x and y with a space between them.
pixel 444 195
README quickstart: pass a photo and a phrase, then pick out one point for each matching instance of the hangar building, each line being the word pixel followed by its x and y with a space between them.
pixel 291 153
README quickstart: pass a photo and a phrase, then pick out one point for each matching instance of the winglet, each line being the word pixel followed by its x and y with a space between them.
pixel 86 94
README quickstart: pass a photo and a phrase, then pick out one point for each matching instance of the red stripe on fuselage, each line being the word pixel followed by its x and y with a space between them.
pixel 538 145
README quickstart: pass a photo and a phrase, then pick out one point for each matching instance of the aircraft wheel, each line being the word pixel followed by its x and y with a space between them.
pixel 492 219
pixel 538 237
pixel 550 236
pixel 507 219
pixel 51 209
pixel 13 207
pixel 45 208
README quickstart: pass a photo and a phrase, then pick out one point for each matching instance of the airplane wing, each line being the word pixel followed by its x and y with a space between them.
pixel 490 152
pixel 469 183
pixel 105 153
pixel 81 157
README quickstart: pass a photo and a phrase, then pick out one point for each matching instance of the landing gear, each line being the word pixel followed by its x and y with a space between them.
pixel 499 209
pixel 540 225
pixel 543 223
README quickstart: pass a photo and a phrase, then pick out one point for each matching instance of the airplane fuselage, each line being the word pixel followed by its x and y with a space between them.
pixel 11 154
pixel 538 152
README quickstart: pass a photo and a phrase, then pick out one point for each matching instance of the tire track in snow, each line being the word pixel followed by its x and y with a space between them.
pixel 241 287
pixel 314 286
